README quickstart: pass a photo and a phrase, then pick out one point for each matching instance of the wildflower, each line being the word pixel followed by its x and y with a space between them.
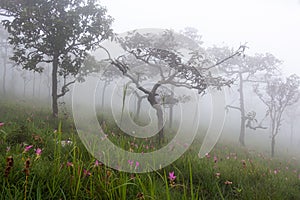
pixel 9 165
pixel 207 155
pixel 27 166
pixel 27 148
pixel 215 159
pixel 70 164
pixel 218 174
pixel 276 171
pixel 96 163
pixel 1 124
pixel 172 177
pixel 38 152
pixel 130 162
pixel 86 173
pixel 137 164
pixel 227 182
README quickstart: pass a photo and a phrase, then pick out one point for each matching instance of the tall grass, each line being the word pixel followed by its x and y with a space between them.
pixel 70 172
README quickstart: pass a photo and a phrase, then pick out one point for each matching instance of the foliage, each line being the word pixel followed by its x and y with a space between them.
pixel 60 32
pixel 161 57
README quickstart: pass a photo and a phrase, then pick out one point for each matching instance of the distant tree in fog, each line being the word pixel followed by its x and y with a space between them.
pixel 5 50
pixel 160 55
pixel 60 32
pixel 245 70
pixel 293 114
pixel 277 94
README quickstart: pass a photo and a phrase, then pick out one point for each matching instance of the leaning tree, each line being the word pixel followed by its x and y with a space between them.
pixel 60 32
pixel 277 94
pixel 161 55
pixel 246 71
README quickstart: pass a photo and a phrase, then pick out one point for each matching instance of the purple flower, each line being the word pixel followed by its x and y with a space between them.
pixel 137 164
pixel 38 152
pixel 27 148
pixel 1 124
pixel 86 172
pixel 130 162
pixel 172 177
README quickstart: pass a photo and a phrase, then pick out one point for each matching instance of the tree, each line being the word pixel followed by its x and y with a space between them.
pixel 293 115
pixel 158 54
pixel 277 95
pixel 4 53
pixel 245 70
pixel 60 32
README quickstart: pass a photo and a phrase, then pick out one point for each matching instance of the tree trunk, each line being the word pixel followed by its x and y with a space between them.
pixel 171 116
pixel 160 123
pixel 4 69
pixel 159 113
pixel 242 109
pixel 54 86
pixel 273 146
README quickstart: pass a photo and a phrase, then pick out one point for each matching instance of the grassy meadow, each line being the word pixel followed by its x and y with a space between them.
pixel 42 158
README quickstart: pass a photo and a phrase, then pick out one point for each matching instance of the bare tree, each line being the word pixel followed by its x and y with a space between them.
pixel 277 95
pixel 245 70
pixel 293 114
pixel 159 53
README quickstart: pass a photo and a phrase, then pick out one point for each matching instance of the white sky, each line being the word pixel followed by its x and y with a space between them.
pixel 266 25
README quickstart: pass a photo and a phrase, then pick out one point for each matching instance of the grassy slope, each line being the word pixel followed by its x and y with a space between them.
pixel 71 173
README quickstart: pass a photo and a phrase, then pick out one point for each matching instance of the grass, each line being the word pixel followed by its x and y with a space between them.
pixel 70 172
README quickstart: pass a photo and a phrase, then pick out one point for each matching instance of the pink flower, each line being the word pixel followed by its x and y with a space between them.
pixel 227 182
pixel 27 148
pixel 1 124
pixel 130 162
pixel 96 163
pixel 137 164
pixel 215 159
pixel 207 155
pixel 86 172
pixel 172 177
pixel 38 152
pixel 70 164
pixel 276 171
pixel 218 174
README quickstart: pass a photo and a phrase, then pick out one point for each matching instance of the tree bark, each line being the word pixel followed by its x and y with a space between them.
pixel 159 113
pixel 171 116
pixel 273 146
pixel 4 69
pixel 242 109
pixel 54 86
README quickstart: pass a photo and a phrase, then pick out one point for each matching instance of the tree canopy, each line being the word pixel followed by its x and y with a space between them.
pixel 60 32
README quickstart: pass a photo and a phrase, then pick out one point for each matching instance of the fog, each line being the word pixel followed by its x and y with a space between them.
pixel 268 26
